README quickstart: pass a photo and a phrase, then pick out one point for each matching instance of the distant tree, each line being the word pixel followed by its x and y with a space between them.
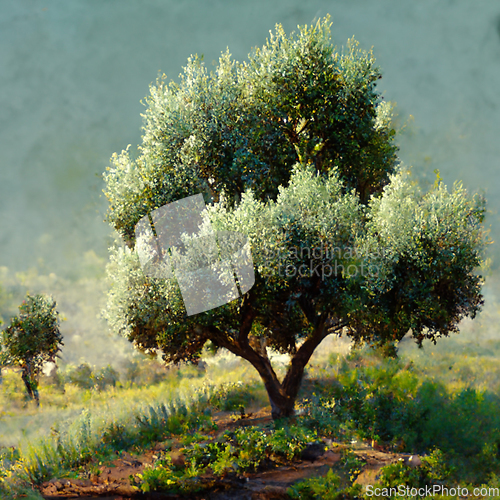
pixel 294 149
pixel 32 339
pixel 1 375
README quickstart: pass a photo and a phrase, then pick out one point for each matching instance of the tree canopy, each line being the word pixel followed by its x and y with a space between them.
pixel 293 148
pixel 246 124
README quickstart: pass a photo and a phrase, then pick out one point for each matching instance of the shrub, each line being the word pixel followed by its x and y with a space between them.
pixel 107 377
pixel 390 401
pixel 163 476
pixel 82 376
pixel 434 470
pixel 324 488
pixel 85 377
pixel 231 396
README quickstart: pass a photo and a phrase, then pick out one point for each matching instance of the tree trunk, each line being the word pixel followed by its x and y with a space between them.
pixel 30 383
pixel 282 395
pixel 27 382
pixel 282 404
pixel 34 388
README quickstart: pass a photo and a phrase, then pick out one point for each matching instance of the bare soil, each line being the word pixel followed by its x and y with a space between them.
pixel 113 480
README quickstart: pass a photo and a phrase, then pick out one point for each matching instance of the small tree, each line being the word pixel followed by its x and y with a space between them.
pixel 295 150
pixel 32 339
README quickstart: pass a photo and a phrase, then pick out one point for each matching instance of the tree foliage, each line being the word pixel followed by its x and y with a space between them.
pixel 294 149
pixel 246 124
pixel 32 339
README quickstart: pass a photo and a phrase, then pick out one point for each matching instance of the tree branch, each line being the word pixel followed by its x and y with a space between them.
pixel 293 378
pixel 248 315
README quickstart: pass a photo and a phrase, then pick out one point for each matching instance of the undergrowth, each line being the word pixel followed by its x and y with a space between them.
pixel 245 449
pixel 391 402
pixel 361 397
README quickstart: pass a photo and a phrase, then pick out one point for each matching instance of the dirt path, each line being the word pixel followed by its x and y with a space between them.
pixel 113 481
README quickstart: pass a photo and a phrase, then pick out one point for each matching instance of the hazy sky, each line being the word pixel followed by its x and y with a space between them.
pixel 72 74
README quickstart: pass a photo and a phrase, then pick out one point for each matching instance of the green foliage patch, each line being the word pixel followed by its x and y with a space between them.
pixel 434 470
pixel 85 377
pixel 391 402
pixel 235 396
pixel 244 449
pixel 328 487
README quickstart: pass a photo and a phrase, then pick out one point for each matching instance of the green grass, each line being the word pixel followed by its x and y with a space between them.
pixel 73 426
pixel 409 405
pixel 149 382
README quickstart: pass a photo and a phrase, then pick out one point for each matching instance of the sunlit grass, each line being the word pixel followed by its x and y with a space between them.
pixel 72 422
pixel 21 419
pixel 76 425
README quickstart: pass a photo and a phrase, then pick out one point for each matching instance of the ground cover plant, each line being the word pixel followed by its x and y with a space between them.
pixel 361 398
pixel 393 402
pixel 245 449
pixel 293 149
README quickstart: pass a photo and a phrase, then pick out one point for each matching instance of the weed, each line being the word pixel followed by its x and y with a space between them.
pixel 324 488
pixel 289 442
pixel 118 437
pixel 433 470
pixel 352 464
pixel 162 476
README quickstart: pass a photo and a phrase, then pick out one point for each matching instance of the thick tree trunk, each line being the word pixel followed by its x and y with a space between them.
pixel 282 404
pixel 293 378
pixel 282 395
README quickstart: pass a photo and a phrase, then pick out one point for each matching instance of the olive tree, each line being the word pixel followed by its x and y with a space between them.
pixel 294 149
pixel 32 339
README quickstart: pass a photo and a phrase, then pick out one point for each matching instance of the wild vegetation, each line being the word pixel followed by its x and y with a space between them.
pixel 295 150
pixel 346 401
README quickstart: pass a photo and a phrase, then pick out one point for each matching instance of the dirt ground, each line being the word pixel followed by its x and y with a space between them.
pixel 113 481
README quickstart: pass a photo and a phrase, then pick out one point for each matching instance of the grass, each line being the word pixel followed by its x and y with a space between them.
pixel 407 405
pixel 97 422
pixel 23 420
